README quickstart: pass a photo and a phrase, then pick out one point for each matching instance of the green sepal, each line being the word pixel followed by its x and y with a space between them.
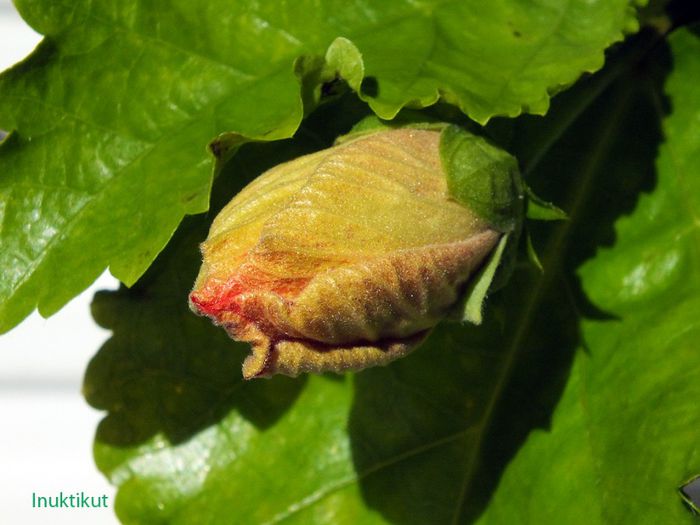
pixel 482 177
pixel 470 308
pixel 532 253
pixel 539 209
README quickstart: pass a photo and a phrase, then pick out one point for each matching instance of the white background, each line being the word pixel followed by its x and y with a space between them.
pixel 46 427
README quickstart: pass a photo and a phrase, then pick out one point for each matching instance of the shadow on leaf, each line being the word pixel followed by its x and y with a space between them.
pixel 432 433
pixel 165 370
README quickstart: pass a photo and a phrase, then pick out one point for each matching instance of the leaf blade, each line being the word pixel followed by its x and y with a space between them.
pixel 128 95
pixel 631 389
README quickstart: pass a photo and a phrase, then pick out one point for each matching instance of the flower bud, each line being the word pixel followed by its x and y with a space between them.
pixel 347 257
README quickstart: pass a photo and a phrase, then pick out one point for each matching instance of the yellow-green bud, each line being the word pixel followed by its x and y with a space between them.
pixel 347 257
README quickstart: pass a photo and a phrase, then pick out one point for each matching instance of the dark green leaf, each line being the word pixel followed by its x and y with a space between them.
pixel 625 435
pixel 429 438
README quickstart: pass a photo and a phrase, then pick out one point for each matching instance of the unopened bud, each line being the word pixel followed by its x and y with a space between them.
pixel 346 258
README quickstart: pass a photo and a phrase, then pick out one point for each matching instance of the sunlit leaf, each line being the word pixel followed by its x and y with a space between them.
pixel 114 109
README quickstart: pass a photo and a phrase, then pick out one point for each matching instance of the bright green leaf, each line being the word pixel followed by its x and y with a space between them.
pixel 115 107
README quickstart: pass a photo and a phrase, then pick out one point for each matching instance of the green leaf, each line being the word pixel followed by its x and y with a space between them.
pixel 625 434
pixel 171 385
pixel 428 438
pixel 462 429
pixel 112 112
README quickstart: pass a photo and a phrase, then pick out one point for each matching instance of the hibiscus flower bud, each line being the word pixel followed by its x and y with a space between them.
pixel 346 258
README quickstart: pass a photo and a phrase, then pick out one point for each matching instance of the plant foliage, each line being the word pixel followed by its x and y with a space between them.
pixel 575 401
